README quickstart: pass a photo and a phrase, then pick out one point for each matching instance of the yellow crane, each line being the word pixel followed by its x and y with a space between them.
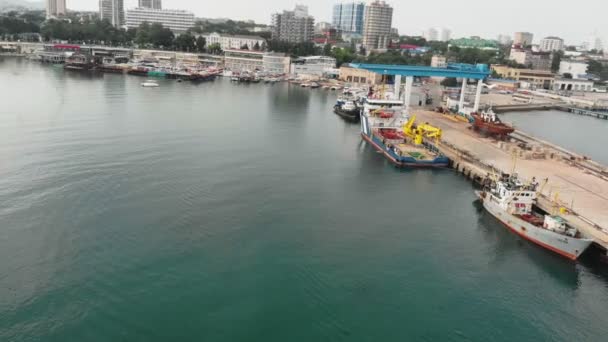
pixel 419 132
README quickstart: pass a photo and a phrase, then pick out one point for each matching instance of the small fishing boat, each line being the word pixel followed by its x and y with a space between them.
pixel 150 84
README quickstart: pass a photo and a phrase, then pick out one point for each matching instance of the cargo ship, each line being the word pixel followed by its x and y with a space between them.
pixel 488 123
pixel 512 202
pixel 388 130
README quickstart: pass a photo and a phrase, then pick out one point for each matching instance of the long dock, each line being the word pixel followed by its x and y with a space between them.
pixel 584 112
pixel 582 190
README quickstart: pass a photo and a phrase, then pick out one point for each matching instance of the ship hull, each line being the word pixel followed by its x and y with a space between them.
pixel 566 246
pixel 439 162
pixel 348 115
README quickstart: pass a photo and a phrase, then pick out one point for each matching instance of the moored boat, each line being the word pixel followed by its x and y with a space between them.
pixel 512 202
pixel 348 110
pixel 487 122
pixel 150 84
pixel 389 131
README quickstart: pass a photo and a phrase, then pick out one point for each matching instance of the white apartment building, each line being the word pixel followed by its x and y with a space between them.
pixel 276 63
pixel 227 41
pixel 551 44
pixel 314 65
pixel 55 8
pixel 176 20
pixel 112 11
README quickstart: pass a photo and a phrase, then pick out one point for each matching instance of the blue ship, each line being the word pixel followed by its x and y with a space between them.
pixel 385 128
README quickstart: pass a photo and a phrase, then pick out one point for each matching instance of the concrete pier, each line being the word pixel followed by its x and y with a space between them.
pixel 574 183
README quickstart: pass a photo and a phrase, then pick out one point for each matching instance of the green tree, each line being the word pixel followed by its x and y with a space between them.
pixel 244 47
pixel 200 44
pixel 160 36
pixel 557 59
pixel 185 42
pixel 142 37
pixel 256 47
pixel 567 75
pixel 327 50
pixel 215 49
pixel 343 56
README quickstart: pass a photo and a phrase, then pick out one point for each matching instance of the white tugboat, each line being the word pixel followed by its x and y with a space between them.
pixel 511 202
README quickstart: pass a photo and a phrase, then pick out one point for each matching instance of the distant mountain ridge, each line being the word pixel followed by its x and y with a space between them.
pixel 7 5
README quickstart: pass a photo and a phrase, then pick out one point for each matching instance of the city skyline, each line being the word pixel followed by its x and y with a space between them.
pixel 463 21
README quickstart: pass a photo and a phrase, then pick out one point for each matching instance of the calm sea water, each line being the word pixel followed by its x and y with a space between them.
pixel 223 212
pixel 581 134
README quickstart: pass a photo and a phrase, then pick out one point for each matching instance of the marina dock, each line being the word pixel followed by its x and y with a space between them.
pixel 574 183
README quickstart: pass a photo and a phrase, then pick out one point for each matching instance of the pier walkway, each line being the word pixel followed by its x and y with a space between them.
pixel 584 193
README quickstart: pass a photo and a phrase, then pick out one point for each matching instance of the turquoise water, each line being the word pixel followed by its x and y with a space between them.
pixel 581 134
pixel 223 212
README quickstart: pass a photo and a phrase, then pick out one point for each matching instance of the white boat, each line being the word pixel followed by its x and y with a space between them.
pixel 511 202
pixel 150 84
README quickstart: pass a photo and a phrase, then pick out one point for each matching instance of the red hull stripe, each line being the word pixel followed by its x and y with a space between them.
pixel 549 247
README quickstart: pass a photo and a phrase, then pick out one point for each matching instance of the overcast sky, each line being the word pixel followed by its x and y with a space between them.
pixel 575 21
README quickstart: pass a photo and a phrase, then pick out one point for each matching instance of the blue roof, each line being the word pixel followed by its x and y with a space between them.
pixel 478 71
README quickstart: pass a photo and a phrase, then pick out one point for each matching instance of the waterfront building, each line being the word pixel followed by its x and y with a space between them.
pixel 293 26
pixel 359 76
pixel 475 42
pixel 314 66
pixel 276 63
pixel 534 79
pixel 177 21
pixel 377 23
pixel 243 60
pixel 154 4
pixel 551 44
pixel 578 69
pixel 237 60
pixel 55 8
pixel 112 11
pixel 228 41
pixel 567 84
pixel 348 16
pixel 523 38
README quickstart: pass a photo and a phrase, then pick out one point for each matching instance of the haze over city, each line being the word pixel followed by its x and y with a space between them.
pixel 478 17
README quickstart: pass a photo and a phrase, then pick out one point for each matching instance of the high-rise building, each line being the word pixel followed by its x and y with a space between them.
pixel 446 35
pixel 55 8
pixel 550 44
pixel 293 26
pixel 177 21
pixel 377 22
pixel 155 4
pixel 523 38
pixel 348 17
pixel 431 35
pixel 112 11
pixel 504 39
